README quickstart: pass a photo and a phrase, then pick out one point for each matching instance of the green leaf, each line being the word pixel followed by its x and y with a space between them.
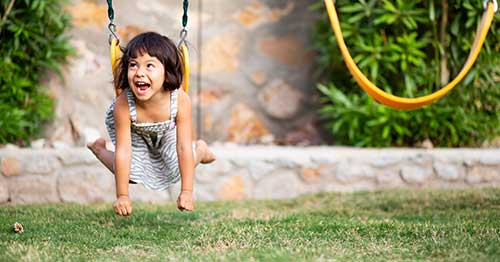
pixel 31 45
pixel 398 44
pixel 432 11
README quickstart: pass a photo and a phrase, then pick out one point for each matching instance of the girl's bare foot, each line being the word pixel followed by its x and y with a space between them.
pixel 204 152
pixel 107 157
pixel 97 146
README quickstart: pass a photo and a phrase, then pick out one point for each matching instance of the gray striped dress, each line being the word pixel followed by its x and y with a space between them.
pixel 154 155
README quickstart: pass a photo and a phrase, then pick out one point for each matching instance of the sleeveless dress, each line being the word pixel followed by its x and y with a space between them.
pixel 154 146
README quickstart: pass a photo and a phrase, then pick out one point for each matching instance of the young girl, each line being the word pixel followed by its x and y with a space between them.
pixel 150 124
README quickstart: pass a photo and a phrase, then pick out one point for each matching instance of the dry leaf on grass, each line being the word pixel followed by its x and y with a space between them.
pixel 18 228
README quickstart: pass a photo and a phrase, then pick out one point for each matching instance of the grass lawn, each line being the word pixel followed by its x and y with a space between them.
pixel 442 225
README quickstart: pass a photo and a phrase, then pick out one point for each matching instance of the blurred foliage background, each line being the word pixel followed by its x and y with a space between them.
pixel 32 41
pixel 409 48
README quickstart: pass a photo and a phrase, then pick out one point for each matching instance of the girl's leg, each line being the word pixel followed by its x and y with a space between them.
pixel 106 157
pixel 98 147
pixel 203 153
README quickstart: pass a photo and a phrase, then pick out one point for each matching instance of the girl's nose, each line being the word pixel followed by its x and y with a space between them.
pixel 140 71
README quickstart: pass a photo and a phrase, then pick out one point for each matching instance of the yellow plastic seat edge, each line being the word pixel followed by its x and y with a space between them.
pixel 401 102
pixel 114 55
pixel 185 57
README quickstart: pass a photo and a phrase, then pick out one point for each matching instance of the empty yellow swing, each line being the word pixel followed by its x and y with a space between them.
pixel 411 103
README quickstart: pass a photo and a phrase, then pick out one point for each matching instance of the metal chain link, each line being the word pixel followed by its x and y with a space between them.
pixel 184 32
pixel 185 15
pixel 111 25
pixel 495 4
pixel 111 12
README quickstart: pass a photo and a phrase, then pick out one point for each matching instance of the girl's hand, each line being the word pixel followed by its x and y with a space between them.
pixel 185 201
pixel 123 206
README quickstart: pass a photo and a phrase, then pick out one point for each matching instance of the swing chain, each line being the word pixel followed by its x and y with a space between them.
pixel 185 6
pixel 111 25
pixel 184 32
pixel 495 4
pixel 111 12
pixel 183 36
pixel 112 30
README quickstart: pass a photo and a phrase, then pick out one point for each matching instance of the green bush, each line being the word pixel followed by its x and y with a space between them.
pixel 400 45
pixel 32 42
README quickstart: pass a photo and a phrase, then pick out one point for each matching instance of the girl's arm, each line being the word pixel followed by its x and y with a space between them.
pixel 123 155
pixel 185 150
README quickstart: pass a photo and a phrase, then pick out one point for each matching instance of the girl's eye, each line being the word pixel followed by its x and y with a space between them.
pixel 150 65
pixel 132 65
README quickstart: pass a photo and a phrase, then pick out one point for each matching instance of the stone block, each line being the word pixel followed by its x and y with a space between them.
pixel 38 144
pixel 245 126
pixel 4 190
pixel 364 185
pixel 40 162
pixel 88 134
pixel 351 172
pixel 481 157
pixel 312 174
pixel 480 174
pixel 280 184
pixel 287 50
pixel 328 172
pixel 389 178
pixel 204 193
pixel 324 158
pixel 259 169
pixel 258 78
pixel 205 174
pixel 79 156
pixel 421 159
pixel 256 14
pixel 449 172
pixel 385 160
pixel 10 166
pixel 416 175
pixel 277 13
pixel 280 99
pixel 128 32
pixel 236 185
pixel 252 15
pixel 232 188
pixel 293 158
pixel 491 157
pixel 221 53
pixel 30 189
pixel 209 97
pixel 86 185
pixel 87 13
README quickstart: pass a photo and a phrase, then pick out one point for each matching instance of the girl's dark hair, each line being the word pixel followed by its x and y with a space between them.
pixel 157 46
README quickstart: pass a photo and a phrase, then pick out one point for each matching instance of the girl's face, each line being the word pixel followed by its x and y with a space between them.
pixel 146 75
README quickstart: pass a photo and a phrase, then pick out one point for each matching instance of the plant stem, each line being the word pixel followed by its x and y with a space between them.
pixel 7 11
pixel 445 72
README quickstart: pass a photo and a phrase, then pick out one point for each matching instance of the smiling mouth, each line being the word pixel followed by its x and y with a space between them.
pixel 142 87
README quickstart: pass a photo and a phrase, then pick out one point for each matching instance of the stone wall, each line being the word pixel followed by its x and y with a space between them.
pixel 257 172
pixel 251 68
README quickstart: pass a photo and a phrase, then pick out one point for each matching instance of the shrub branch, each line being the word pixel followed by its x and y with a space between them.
pixel 7 11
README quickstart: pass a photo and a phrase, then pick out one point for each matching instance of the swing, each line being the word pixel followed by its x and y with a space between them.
pixel 115 51
pixel 411 103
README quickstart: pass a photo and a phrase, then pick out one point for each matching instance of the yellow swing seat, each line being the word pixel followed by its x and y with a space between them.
pixel 409 103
